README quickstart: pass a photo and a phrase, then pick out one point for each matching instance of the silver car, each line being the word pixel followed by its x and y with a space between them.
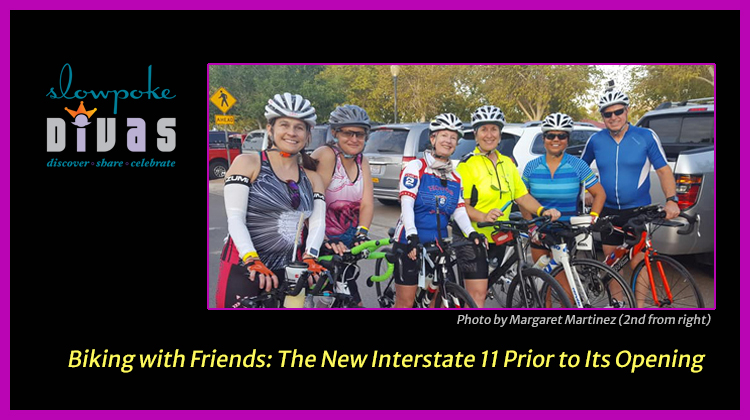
pixel 389 148
pixel 686 131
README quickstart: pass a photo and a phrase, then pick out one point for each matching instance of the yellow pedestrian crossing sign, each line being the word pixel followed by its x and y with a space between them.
pixel 223 100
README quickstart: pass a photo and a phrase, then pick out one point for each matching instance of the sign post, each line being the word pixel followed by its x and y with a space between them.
pixel 223 100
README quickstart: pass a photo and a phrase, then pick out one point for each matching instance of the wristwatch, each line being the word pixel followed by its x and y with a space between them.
pixel 673 198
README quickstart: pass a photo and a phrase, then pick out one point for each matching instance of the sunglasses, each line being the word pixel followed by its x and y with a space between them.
pixel 349 134
pixel 550 136
pixel 609 114
pixel 293 192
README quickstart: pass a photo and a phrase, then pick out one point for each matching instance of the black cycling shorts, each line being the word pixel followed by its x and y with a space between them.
pixel 406 271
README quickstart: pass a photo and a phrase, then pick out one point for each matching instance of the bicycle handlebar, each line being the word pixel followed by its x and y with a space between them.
pixel 515 224
pixel 648 214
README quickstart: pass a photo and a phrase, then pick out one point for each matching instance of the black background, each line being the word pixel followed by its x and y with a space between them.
pixel 112 258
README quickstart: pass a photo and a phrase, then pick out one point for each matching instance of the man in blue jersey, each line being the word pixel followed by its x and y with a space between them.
pixel 624 155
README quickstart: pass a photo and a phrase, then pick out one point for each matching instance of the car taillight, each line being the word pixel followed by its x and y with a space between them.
pixel 688 187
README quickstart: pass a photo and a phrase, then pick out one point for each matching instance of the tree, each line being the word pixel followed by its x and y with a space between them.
pixel 253 86
pixel 530 92
pixel 653 85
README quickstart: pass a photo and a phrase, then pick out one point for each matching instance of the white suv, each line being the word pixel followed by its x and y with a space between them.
pixel 524 142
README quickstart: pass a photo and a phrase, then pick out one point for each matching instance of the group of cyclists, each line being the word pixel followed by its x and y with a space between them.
pixel 269 194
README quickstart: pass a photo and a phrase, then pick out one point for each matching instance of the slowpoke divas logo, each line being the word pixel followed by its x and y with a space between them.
pixel 106 133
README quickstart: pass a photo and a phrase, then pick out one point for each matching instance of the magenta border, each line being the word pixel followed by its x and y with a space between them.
pixel 336 4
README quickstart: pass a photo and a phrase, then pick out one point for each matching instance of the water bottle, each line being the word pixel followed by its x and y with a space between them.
pixel 294 272
pixel 542 262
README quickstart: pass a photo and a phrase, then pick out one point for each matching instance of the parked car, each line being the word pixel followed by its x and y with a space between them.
pixel 389 148
pixel 531 142
pixel 508 140
pixel 321 134
pixel 253 141
pixel 524 142
pixel 686 131
pixel 217 152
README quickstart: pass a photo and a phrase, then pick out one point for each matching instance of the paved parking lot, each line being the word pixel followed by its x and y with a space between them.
pixel 385 218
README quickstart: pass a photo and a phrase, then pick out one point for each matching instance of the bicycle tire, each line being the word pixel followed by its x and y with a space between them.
pixel 454 291
pixel 517 300
pixel 683 287
pixel 598 294
pixel 384 289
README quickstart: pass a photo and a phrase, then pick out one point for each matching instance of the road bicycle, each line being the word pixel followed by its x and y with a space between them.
pixel 665 283
pixel 524 290
pixel 438 285
pixel 344 269
pixel 335 273
pixel 591 283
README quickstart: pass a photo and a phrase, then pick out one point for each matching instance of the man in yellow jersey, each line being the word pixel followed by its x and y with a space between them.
pixel 491 183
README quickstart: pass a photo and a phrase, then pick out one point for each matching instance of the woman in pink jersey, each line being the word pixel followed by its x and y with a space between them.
pixel 346 177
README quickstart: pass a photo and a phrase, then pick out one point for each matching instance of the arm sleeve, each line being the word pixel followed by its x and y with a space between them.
pixel 317 225
pixel 460 215
pixel 408 189
pixel 236 193
pixel 462 218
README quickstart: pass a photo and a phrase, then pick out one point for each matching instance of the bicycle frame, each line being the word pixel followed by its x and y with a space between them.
pixel 518 257
pixel 561 254
pixel 645 246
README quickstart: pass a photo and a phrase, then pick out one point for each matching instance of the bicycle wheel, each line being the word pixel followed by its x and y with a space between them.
pixel 682 285
pixel 385 290
pixel 603 286
pixel 457 296
pixel 535 279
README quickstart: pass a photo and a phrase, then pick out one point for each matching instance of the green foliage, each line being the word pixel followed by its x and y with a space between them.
pixel 523 92
pixel 654 85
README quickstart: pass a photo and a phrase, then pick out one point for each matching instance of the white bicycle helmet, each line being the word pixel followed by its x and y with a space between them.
pixel 557 122
pixel 290 106
pixel 446 121
pixel 613 97
pixel 487 114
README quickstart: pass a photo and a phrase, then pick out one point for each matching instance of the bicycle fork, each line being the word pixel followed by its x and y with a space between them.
pixel 561 255
pixel 649 269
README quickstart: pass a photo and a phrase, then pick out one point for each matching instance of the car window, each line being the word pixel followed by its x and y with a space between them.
pixel 216 138
pixel 424 140
pixel 319 135
pixel 697 129
pixel 219 139
pixel 387 141
pixel 507 144
pixel 668 129
pixel 464 146
pixel 681 128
